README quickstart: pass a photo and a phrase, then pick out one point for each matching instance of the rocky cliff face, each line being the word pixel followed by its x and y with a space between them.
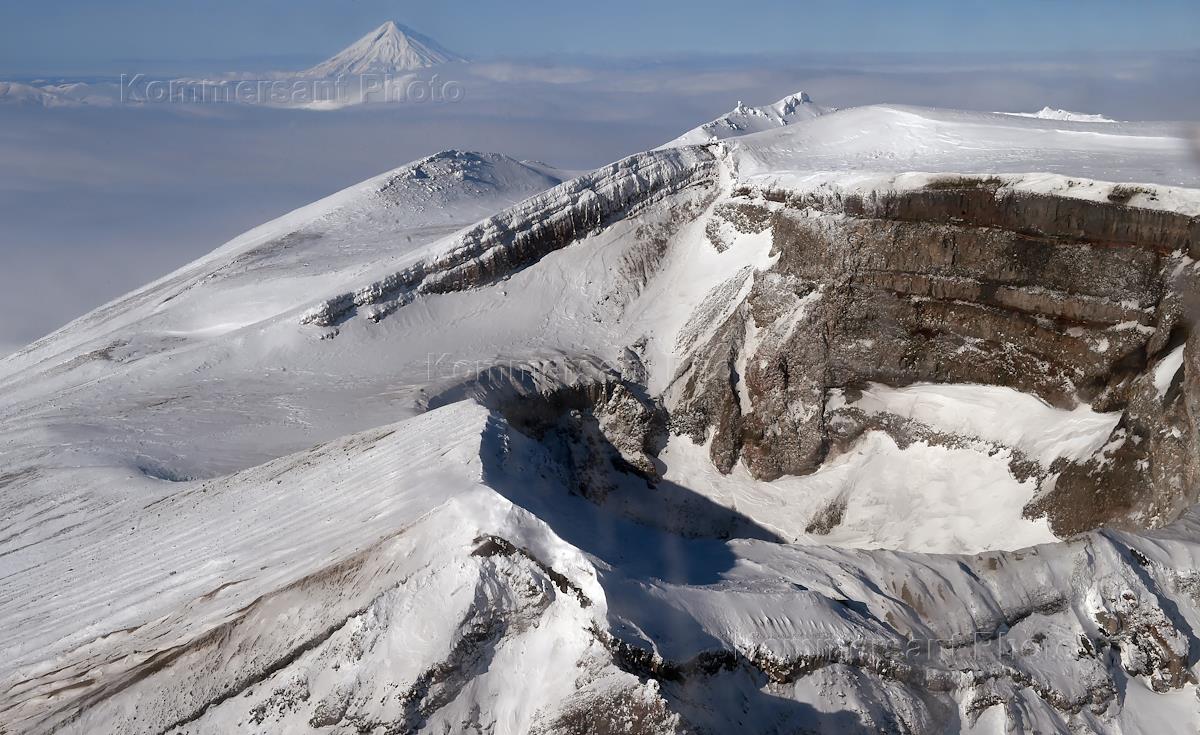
pixel 962 281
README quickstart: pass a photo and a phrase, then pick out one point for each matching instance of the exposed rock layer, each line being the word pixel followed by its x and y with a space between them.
pixel 964 281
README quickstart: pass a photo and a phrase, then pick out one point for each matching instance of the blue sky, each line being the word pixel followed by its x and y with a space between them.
pixel 84 35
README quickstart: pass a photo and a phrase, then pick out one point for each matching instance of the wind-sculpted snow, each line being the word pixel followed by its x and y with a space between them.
pixel 803 431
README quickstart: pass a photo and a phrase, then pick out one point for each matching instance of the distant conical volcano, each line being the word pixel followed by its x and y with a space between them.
pixel 387 49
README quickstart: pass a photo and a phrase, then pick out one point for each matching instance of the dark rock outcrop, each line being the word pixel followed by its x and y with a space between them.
pixel 964 281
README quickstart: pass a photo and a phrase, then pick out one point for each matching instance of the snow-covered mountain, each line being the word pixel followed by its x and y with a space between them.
pixel 881 420
pixel 742 120
pixel 1052 113
pixel 389 49
pixel 28 94
pixel 392 52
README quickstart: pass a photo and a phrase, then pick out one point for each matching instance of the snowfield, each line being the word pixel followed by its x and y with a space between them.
pixel 340 475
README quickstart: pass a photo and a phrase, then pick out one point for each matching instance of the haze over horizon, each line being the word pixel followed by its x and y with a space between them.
pixel 78 36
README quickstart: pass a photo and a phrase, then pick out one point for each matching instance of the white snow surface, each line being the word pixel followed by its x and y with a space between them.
pixel 864 143
pixel 217 513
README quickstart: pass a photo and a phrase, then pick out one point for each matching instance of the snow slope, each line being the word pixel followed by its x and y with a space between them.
pixel 275 267
pixel 286 486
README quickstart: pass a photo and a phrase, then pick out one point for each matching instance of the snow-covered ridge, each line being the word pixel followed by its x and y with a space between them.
pixel 744 120
pixel 901 139
pixel 276 267
pixel 1051 113
pixel 522 234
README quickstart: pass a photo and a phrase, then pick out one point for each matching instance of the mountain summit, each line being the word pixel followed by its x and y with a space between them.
pixel 388 49
pixel 743 120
